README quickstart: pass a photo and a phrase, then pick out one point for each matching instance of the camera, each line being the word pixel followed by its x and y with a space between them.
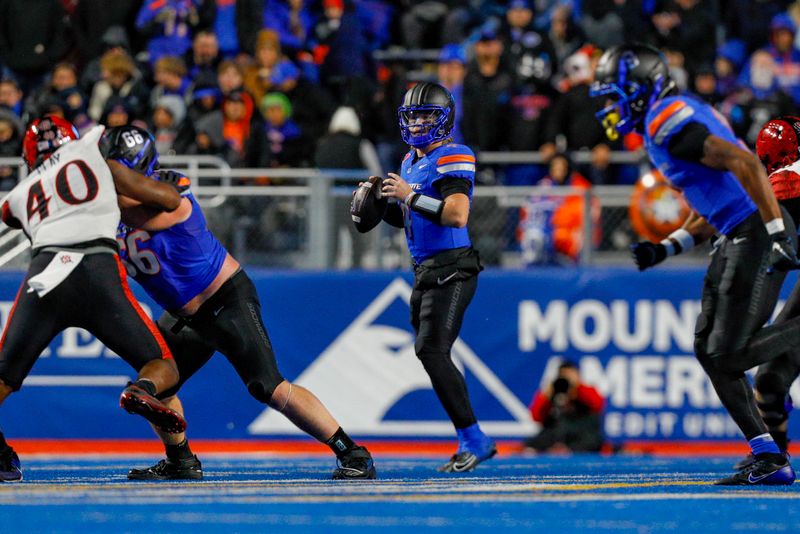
pixel 560 385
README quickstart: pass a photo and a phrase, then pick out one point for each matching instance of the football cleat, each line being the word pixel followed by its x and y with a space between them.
pixel 355 464
pixel 467 459
pixel 137 401
pixel 168 469
pixel 10 470
pixel 744 462
pixel 764 472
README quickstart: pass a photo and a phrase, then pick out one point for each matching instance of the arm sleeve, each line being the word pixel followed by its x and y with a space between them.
pixel 590 397
pixel 687 144
pixel 540 407
pixel 451 185
pixel 394 215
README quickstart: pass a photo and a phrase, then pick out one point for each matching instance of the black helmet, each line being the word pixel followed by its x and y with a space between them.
pixel 132 146
pixel 634 76
pixel 428 107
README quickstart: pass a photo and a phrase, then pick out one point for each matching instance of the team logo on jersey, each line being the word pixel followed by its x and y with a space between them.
pixel 656 208
pixel 370 371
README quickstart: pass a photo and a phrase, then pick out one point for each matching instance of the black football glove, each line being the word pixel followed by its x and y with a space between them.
pixel 175 179
pixel 646 254
pixel 782 256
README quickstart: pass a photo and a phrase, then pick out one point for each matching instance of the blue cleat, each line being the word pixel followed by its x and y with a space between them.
pixel 9 466
pixel 474 447
pixel 764 472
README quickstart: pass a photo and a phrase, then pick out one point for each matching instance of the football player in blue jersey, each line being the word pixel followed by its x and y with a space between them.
pixel 434 193
pixel 210 305
pixel 694 147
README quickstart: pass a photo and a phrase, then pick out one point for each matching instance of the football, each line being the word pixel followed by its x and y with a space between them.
pixel 368 206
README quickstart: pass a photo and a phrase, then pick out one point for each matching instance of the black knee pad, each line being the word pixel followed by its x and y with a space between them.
pixel 771 398
pixel 262 389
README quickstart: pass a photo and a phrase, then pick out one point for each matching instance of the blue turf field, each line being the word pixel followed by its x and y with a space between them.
pixel 265 494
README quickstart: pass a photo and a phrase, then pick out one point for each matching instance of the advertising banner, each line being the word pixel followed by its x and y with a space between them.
pixel 346 337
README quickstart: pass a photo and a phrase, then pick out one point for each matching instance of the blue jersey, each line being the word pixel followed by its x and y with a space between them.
pixel 716 195
pixel 425 237
pixel 176 264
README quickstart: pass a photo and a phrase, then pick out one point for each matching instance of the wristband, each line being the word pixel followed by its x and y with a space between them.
pixel 775 225
pixel 409 198
pixel 428 206
pixel 681 240
pixel 670 246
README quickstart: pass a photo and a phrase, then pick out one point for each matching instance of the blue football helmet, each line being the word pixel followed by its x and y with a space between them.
pixel 132 146
pixel 427 115
pixel 633 77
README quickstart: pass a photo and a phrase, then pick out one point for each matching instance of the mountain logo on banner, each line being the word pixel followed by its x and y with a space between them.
pixel 371 366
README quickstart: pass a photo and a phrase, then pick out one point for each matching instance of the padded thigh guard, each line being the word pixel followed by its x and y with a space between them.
pixel 229 322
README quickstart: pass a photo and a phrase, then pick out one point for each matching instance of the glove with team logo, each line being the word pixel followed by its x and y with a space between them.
pixel 175 179
pixel 782 256
pixel 647 254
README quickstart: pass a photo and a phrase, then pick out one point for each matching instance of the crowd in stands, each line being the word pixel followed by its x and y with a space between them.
pixel 257 82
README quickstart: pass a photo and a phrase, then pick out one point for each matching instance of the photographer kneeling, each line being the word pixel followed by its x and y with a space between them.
pixel 570 414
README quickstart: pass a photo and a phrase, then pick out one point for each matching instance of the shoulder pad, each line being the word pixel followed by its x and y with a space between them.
pixel 667 117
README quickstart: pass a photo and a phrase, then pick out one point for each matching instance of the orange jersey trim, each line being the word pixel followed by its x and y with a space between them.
pixel 456 158
pixel 665 114
pixel 166 354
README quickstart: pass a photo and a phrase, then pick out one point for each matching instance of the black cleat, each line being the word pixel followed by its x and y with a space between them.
pixel 467 460
pixel 355 464
pixel 764 472
pixel 744 462
pixel 9 466
pixel 464 461
pixel 137 401
pixel 167 469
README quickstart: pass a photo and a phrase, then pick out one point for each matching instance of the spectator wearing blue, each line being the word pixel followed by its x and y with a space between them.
pixel 203 58
pixel 759 98
pixel 205 96
pixel 786 56
pixel 292 21
pixel 731 56
pixel 283 144
pixel 341 44
pixel 259 76
pixel 226 26
pixel 169 73
pixel 11 96
pixel 451 71
pixel 168 25
pixel 312 105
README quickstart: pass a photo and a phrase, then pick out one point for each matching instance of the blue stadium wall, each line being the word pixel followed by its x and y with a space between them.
pixel 346 336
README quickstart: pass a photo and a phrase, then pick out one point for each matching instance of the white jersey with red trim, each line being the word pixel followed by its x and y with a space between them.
pixel 786 181
pixel 69 199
